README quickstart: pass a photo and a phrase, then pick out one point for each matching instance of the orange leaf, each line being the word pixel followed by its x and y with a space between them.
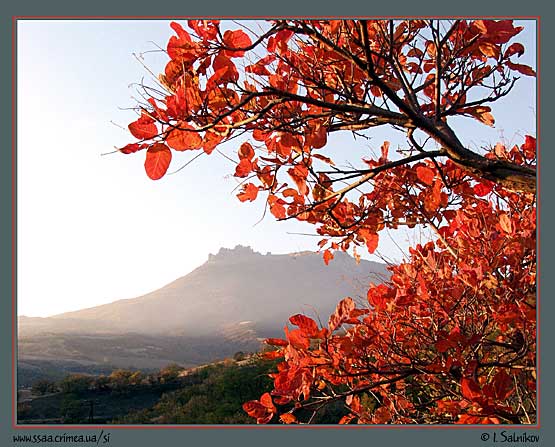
pixel 317 138
pixel 272 355
pixel 250 192
pixel 256 409
pixel 502 385
pixel 515 48
pixel 297 338
pixel 529 146
pixel 346 419
pixel 505 223
pixel 236 40
pixel 276 207
pixel 385 150
pixel 246 151
pixel 381 415
pixel 184 138
pixel 341 314
pixel 130 148
pixel 276 342
pixel 144 128
pixel 483 188
pixel 524 69
pixel 371 239
pixel 299 174
pixel 243 168
pixel 489 49
pixel 328 256
pixel 307 325
pixel 210 141
pixel 158 157
pixel 324 159
pixel 481 113
pixel 288 418
pixel 425 174
pixel 266 400
pixel 470 389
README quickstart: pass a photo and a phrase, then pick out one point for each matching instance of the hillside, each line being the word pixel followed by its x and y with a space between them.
pixel 227 304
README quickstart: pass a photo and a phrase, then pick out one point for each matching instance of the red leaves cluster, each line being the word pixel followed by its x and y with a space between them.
pixel 454 326
pixel 262 410
pixel 207 96
pixel 158 158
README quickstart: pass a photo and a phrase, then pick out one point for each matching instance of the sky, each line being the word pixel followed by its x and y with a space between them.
pixel 93 228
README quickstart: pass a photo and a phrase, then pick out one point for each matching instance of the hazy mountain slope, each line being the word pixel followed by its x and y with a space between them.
pixel 233 287
pixel 228 304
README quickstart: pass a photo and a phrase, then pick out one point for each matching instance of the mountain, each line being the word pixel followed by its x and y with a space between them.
pixel 238 297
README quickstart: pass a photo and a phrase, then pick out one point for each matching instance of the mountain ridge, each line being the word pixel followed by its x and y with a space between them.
pixel 238 296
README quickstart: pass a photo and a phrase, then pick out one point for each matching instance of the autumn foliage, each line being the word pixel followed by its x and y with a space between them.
pixel 451 337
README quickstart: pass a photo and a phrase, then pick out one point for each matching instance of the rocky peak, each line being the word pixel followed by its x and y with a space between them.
pixel 238 253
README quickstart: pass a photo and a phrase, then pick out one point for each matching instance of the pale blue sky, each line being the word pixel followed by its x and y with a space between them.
pixel 94 229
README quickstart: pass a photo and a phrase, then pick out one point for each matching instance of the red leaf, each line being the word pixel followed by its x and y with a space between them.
pixel 299 174
pixel 288 418
pixel 181 33
pixel 236 39
pixel 381 415
pixel 328 256
pixel 470 389
pixel 385 150
pixel 481 113
pixel 243 168
pixel 425 174
pixel 246 151
pixel 276 207
pixel 524 69
pixel 286 143
pixel 502 385
pixel 182 47
pixel 258 410
pixel 371 239
pixel 210 141
pixel 497 31
pixel 250 192
pixel 489 49
pixel 297 339
pixel 186 139
pixel 130 148
pixel 443 345
pixel 505 223
pixel 276 342
pixel 515 48
pixel 266 400
pixel 224 71
pixel 317 137
pixel 158 157
pixel 529 147
pixel 483 188
pixel 341 314
pixel 144 128
pixel 206 29
pixel 307 325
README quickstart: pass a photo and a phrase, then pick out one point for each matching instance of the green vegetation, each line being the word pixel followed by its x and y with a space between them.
pixel 215 395
pixel 210 394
